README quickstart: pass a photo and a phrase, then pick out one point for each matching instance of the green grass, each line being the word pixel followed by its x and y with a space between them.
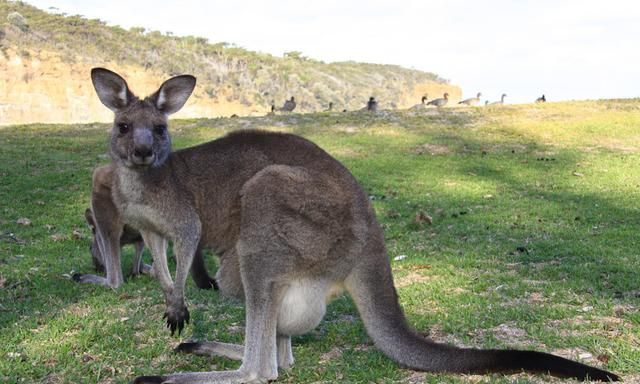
pixel 534 244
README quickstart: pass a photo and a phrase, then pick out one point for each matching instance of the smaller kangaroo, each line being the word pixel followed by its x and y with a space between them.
pixel 293 228
pixel 106 244
pixel 129 236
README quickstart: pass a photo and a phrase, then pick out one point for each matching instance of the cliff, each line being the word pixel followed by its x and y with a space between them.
pixel 45 60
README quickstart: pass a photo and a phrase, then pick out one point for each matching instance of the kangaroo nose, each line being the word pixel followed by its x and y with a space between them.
pixel 142 152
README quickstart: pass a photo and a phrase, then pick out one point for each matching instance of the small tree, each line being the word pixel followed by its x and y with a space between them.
pixel 296 55
pixel 137 30
pixel 18 20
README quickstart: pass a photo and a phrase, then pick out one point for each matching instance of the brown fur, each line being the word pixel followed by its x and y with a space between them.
pixel 292 227
pixel 129 236
pixel 104 236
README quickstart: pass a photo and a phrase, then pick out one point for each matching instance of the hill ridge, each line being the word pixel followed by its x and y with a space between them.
pixel 45 60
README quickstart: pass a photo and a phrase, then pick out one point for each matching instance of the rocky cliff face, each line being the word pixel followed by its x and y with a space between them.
pixel 44 88
pixel 45 61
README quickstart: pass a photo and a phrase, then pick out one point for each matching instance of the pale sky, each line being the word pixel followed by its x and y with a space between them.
pixel 575 49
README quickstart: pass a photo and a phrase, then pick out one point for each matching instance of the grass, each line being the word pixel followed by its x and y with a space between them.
pixel 534 244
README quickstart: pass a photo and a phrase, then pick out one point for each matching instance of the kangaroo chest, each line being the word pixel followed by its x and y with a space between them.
pixel 140 208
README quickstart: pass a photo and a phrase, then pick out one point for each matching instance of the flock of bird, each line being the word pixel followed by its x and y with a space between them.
pixel 372 103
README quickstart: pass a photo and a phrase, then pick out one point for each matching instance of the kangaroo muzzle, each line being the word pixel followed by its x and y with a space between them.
pixel 142 147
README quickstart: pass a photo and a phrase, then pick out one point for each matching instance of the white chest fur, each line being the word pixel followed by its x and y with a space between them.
pixel 135 210
pixel 130 188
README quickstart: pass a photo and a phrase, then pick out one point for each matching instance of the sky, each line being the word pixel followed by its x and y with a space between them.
pixel 567 50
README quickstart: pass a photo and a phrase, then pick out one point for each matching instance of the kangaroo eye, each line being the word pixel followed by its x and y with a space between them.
pixel 123 128
pixel 159 129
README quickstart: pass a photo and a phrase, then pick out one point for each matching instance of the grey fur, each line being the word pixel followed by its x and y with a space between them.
pixel 129 236
pixel 110 234
pixel 292 227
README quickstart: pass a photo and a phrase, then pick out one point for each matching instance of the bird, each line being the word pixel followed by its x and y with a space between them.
pixel 289 105
pixel 501 100
pixel 541 99
pixel 440 102
pixel 372 104
pixel 471 100
pixel 423 103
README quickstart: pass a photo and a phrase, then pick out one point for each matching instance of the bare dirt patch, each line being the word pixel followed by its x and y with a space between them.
pixel 432 149
pixel 509 334
pixel 611 145
pixel 437 334
pixel 333 354
pixel 415 377
pixel 413 277
pixel 577 354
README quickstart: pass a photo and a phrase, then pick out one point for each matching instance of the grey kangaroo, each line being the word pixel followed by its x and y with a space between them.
pixel 110 234
pixel 129 236
pixel 292 227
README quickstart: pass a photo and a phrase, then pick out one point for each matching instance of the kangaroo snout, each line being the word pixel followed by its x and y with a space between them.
pixel 142 147
pixel 143 155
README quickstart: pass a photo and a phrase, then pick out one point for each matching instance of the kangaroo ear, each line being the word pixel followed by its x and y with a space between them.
pixel 111 89
pixel 173 93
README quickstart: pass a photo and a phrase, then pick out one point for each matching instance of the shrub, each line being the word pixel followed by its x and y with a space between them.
pixel 18 20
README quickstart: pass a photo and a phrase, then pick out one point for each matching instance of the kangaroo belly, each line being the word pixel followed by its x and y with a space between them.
pixel 304 305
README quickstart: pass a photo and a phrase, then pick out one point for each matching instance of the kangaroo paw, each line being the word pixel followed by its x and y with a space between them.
pixel 176 319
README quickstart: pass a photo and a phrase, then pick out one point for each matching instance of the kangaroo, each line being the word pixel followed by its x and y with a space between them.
pixel 129 236
pixel 112 234
pixel 293 228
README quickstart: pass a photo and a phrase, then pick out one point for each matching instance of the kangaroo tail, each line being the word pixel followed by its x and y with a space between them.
pixel 371 286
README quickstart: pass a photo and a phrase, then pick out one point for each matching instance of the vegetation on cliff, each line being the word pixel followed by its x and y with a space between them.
pixel 226 72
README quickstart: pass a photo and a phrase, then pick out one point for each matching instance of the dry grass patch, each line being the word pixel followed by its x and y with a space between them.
pixel 412 277
pixel 432 149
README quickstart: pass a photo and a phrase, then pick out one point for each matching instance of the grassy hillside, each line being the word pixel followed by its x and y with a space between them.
pixel 31 39
pixel 534 244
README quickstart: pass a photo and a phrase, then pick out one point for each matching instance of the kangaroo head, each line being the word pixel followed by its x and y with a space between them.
pixel 139 137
